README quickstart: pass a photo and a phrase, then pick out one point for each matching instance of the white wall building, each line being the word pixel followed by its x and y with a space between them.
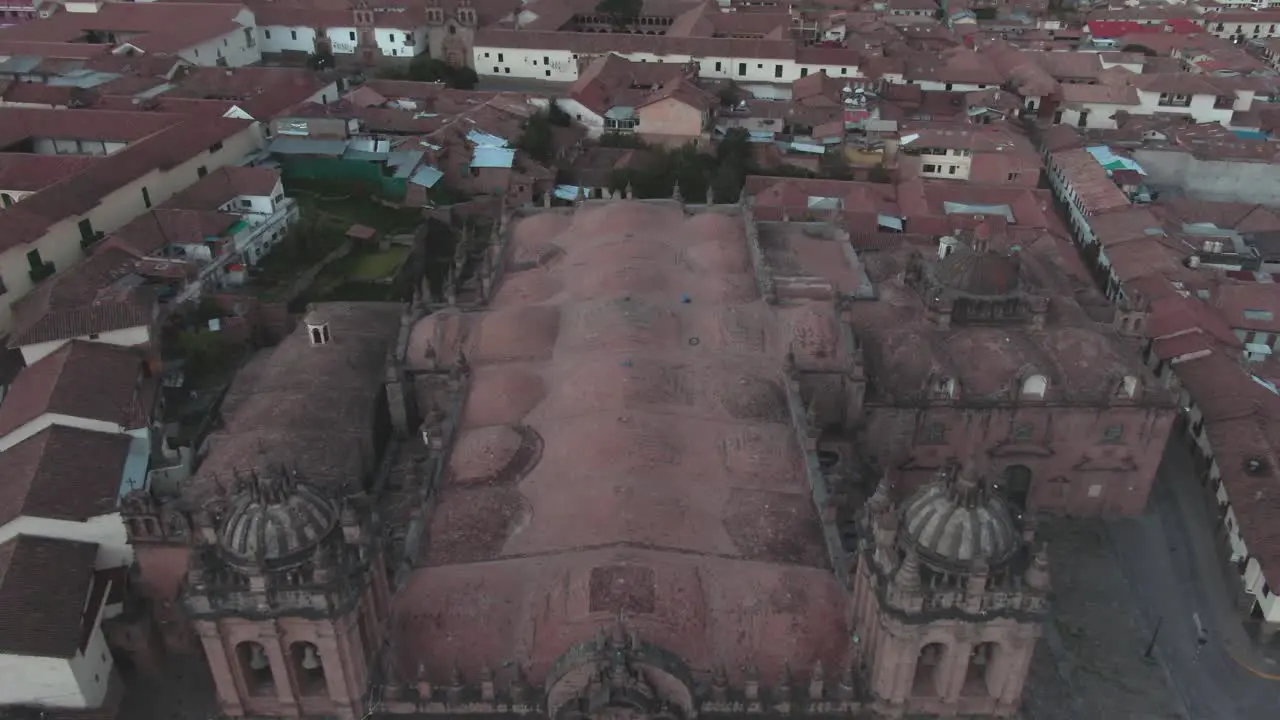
pixel 52 649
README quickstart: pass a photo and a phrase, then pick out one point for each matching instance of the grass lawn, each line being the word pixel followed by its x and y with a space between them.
pixel 359 211
pixel 375 265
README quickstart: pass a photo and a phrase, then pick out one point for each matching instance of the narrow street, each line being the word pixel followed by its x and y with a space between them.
pixel 1169 559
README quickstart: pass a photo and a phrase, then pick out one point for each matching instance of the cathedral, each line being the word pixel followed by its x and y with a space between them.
pixel 631 462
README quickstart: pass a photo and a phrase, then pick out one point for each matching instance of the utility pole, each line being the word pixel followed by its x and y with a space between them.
pixel 1151 646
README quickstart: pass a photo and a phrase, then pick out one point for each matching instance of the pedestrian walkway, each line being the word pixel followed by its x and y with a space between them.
pixel 1257 658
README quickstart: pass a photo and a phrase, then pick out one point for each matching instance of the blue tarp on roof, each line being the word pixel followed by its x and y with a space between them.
pixel 1111 161
pixel 493 157
pixel 760 136
pixel 1250 134
pixel 426 176
pixel 484 139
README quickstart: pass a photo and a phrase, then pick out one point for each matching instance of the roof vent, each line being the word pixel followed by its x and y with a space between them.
pixel 1255 466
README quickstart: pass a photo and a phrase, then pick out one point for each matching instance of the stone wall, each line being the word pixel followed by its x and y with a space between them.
pixel 764 279
pixel 823 500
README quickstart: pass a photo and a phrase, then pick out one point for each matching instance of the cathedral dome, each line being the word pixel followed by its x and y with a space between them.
pixel 275 522
pixel 958 522
pixel 978 273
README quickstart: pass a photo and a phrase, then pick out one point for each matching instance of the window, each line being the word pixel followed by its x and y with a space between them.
pixel 408 39
pixel 548 72
pixel 930 168
pixel 717 66
pixel 352 34
pixel 804 72
pixel 87 235
pixel 486 54
pixel 215 147
pixel 146 197
pixel 1013 176
pixel 1023 432
pixel 935 433
pixel 496 69
pixel 499 57
pixel 777 71
pixel 1113 433
pixel 266 34
pixel 546 60
pixel 202 171
pixel 94 336
pixel 293 34
pixel 742 68
pixel 951 170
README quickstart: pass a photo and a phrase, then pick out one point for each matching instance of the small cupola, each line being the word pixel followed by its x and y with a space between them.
pixel 317 327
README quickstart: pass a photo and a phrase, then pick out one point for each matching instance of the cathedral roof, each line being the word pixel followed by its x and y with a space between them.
pixel 275 522
pixel 978 273
pixel 958 522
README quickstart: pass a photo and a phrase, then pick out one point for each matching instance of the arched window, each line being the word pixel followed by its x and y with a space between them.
pixel 308 669
pixel 928 677
pixel 1034 387
pixel 255 668
pixel 979 676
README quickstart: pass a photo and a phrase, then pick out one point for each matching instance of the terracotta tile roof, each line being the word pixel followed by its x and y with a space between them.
pixel 82 379
pixel 28 172
pixel 62 473
pixel 43 585
pixel 82 301
pixel 179 139
pixel 163 226
pixel 1250 306
pixel 1178 346
pixel 224 185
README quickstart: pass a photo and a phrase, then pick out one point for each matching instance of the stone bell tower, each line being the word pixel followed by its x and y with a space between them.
pixel 287 590
pixel 948 600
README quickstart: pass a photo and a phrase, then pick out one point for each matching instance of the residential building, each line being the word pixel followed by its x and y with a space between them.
pixel 98 300
pixel 71 180
pixel 52 648
pixel 221 35
pixel 90 385
pixel 987 154
pixel 608 92
pixel 210 232
pixel 560 56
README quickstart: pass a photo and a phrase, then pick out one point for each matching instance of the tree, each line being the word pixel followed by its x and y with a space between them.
pixel 537 139
pixel 623 12
pixel 425 68
pixel 205 351
pixel 558 116
pixel 321 59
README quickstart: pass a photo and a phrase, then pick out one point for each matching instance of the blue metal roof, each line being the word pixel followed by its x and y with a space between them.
pixel 568 192
pixel 426 176
pixel 404 161
pixel 955 208
pixel 493 157
pixel 484 139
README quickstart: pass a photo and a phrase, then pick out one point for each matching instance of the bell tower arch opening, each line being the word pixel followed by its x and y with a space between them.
pixel 980 672
pixel 308 669
pixel 255 669
pixel 928 677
